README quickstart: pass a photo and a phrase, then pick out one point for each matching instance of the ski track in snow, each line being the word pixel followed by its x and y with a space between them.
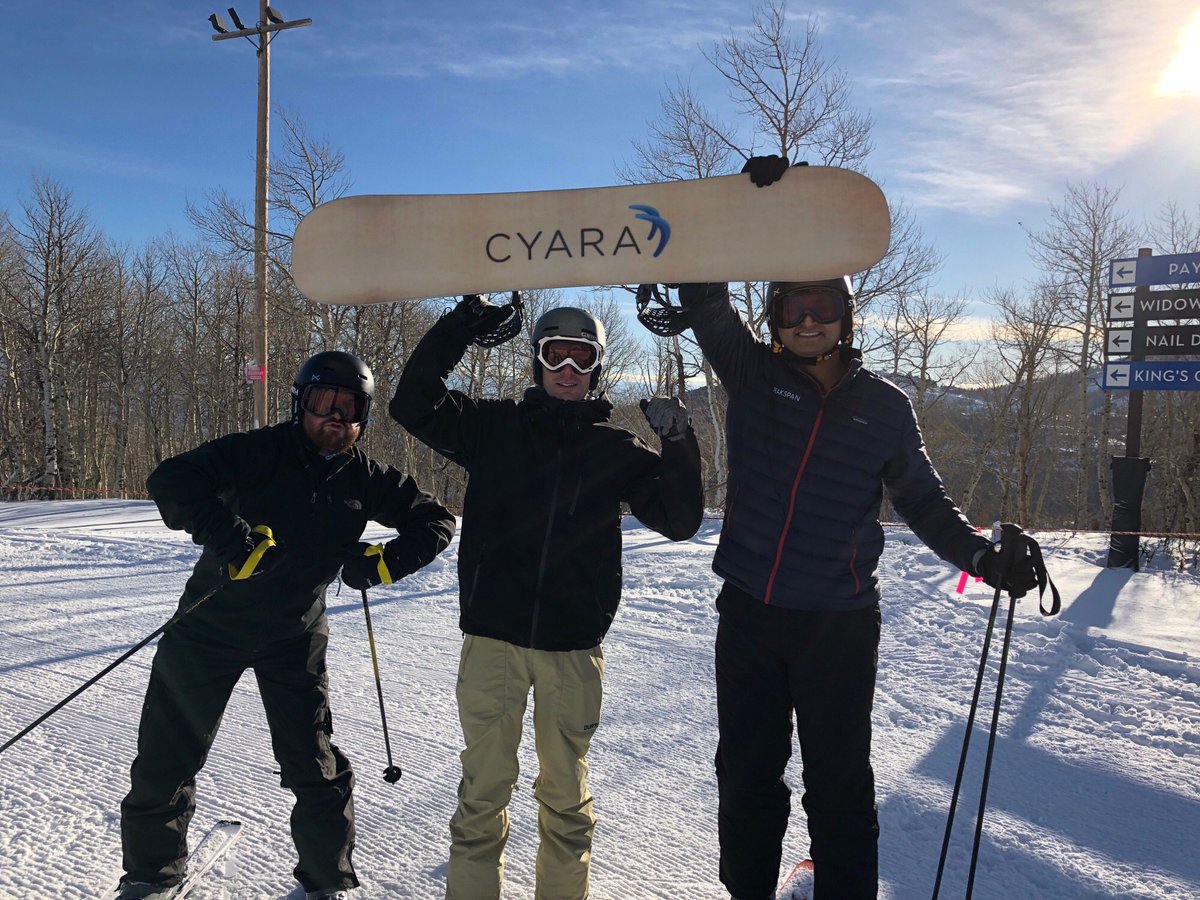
pixel 1094 792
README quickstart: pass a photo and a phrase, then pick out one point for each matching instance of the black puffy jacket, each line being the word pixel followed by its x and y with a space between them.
pixel 539 560
pixel 807 470
pixel 316 508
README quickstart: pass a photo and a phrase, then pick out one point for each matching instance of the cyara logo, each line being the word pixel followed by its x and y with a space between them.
pixel 500 246
pixel 658 225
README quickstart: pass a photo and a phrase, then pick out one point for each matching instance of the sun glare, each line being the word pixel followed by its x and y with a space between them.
pixel 1182 77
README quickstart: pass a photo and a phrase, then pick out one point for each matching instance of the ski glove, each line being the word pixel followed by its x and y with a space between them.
pixel 668 417
pixel 258 556
pixel 1021 577
pixel 479 315
pixel 765 170
pixel 370 564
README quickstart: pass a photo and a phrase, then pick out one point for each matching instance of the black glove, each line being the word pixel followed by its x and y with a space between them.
pixel 1017 575
pixel 479 315
pixel 231 545
pixel 367 565
pixel 765 170
pixel 258 556
pixel 668 417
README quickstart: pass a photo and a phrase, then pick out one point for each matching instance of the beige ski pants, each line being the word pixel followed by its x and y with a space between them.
pixel 494 678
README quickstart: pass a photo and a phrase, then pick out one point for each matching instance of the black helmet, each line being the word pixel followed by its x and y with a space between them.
pixel 568 322
pixel 842 284
pixel 337 369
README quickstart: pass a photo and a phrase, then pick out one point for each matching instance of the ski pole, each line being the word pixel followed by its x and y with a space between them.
pixel 392 773
pixel 1012 542
pixel 962 758
pixel 987 762
pixel 124 656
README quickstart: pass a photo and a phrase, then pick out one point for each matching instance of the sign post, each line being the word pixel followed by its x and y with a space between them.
pixel 1130 335
pixel 1128 472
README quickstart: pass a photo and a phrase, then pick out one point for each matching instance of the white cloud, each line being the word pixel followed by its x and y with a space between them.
pixel 487 41
pixel 989 104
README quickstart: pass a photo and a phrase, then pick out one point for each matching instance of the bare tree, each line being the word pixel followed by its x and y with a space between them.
pixel 683 142
pixel 56 250
pixel 924 349
pixel 1087 231
pixel 794 100
pixel 1028 341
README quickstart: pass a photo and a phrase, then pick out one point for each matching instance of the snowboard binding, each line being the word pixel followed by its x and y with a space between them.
pixel 507 329
pixel 663 319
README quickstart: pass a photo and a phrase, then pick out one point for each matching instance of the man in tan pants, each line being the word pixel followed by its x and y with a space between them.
pixel 539 568
pixel 493 686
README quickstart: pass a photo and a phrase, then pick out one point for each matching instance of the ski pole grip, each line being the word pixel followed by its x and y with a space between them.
pixel 247 568
pixel 1011 544
pixel 385 576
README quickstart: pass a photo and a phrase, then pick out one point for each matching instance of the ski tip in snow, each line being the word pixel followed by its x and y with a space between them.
pixel 799 883
pixel 212 847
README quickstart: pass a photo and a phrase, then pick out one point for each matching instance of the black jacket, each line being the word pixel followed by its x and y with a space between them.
pixel 807 471
pixel 539 561
pixel 317 509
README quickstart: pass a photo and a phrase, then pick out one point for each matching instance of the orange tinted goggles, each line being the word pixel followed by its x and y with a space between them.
pixel 825 305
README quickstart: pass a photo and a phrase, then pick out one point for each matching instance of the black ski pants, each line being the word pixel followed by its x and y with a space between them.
pixel 771 663
pixel 191 681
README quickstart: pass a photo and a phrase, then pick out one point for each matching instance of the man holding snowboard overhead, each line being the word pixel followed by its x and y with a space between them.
pixel 539 572
pixel 813 440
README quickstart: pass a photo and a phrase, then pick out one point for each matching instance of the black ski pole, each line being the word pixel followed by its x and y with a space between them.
pixel 962 758
pixel 1012 542
pixel 987 762
pixel 124 656
pixel 392 773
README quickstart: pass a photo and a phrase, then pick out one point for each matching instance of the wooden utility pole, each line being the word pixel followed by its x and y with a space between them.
pixel 261 175
pixel 269 20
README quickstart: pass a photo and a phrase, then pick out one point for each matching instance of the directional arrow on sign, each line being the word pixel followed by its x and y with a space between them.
pixel 1120 340
pixel 1122 273
pixel 1116 375
pixel 1120 306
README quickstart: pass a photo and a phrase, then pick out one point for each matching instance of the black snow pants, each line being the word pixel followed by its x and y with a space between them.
pixel 191 681
pixel 771 663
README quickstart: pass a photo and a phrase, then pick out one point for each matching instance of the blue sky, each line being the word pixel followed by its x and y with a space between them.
pixel 983 112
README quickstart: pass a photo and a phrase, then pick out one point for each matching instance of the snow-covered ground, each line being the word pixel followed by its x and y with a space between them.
pixel 1095 788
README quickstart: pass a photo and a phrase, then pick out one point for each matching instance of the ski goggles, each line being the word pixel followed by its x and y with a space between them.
pixel 325 399
pixel 581 354
pixel 824 304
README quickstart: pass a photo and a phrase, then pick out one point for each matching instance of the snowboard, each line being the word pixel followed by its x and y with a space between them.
pixel 799 883
pixel 211 850
pixel 815 222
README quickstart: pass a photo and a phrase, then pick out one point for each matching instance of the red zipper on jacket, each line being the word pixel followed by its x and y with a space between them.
pixel 787 522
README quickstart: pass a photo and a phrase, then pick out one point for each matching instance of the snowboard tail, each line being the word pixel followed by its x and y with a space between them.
pixel 799 883
pixel 815 222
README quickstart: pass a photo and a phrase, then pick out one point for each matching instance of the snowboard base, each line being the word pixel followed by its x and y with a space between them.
pixel 815 222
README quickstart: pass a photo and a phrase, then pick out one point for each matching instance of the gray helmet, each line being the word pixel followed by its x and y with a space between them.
pixel 567 321
pixel 842 283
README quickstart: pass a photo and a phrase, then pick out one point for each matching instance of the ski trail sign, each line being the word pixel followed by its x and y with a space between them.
pixel 815 222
